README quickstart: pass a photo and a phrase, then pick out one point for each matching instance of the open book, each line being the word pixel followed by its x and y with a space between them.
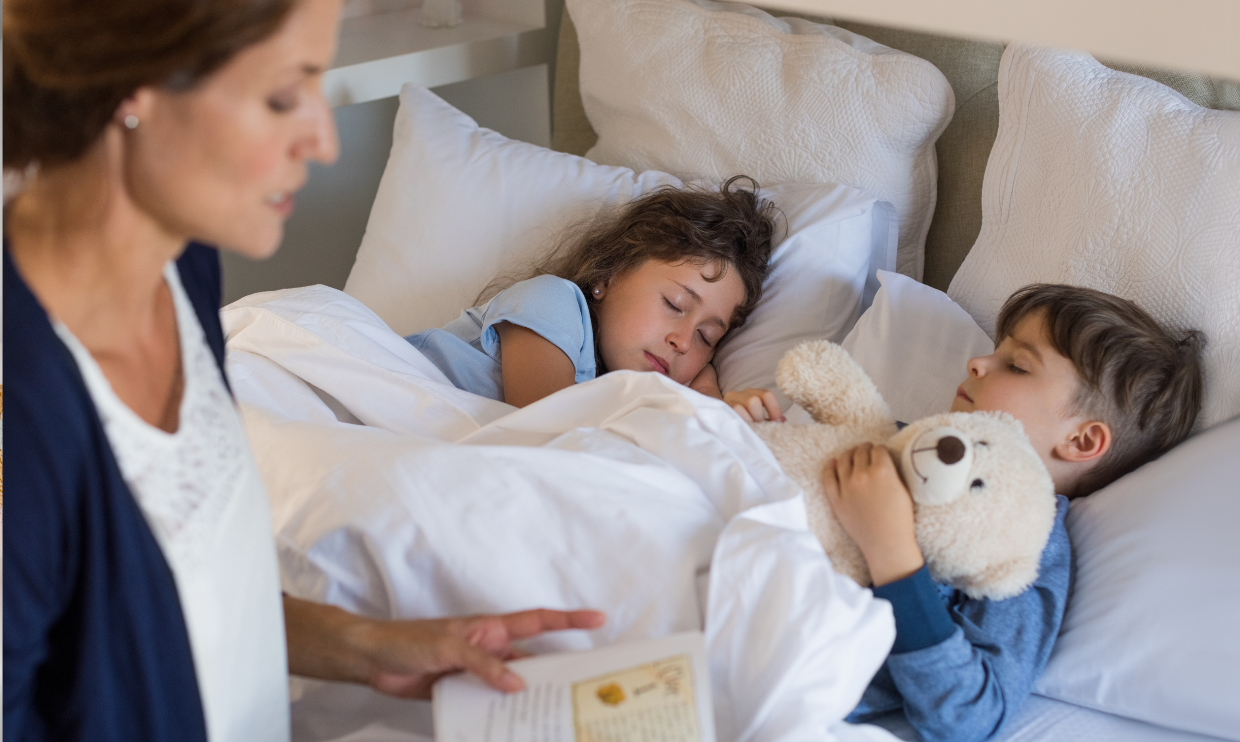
pixel 658 689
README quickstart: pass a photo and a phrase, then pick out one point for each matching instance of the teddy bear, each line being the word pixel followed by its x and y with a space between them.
pixel 984 503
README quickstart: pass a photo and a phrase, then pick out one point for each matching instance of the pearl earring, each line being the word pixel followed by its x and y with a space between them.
pixel 596 292
pixel 131 121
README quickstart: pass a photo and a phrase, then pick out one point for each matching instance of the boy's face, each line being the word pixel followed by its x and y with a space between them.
pixel 1028 379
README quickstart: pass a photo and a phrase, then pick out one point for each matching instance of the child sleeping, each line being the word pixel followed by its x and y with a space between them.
pixel 655 287
pixel 1100 388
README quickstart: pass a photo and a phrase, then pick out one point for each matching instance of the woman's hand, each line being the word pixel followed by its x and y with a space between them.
pixel 755 405
pixel 872 504
pixel 405 658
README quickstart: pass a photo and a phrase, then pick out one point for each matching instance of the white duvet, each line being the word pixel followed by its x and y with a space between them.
pixel 395 495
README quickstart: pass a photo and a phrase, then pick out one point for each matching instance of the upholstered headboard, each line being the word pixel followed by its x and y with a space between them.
pixel 972 68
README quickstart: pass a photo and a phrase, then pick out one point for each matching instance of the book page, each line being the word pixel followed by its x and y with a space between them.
pixel 649 691
pixel 654 701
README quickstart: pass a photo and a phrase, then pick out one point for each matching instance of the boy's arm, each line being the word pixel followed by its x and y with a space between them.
pixel 968 685
pixel 961 672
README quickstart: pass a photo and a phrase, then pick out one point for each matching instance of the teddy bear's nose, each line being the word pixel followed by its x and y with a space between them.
pixel 950 449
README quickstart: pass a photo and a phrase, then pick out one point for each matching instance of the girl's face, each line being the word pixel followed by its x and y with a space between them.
pixel 221 161
pixel 665 317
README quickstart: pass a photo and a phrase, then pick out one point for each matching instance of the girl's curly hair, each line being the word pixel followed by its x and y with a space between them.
pixel 728 228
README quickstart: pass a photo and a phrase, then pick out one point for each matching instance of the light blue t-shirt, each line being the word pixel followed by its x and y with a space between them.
pixel 467 348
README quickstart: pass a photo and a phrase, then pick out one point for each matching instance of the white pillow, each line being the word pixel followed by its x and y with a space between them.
pixel 822 278
pixel 709 89
pixel 1150 631
pixel 1108 180
pixel 459 205
pixel 914 343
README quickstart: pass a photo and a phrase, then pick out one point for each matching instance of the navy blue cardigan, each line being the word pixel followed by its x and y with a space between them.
pixel 95 645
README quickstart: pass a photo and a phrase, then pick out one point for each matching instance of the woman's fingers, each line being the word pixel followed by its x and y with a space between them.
pixel 525 624
pixel 490 668
pixel 744 413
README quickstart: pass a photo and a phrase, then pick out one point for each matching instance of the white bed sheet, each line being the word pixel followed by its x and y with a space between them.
pixel 625 493
pixel 1041 720
pixel 1045 719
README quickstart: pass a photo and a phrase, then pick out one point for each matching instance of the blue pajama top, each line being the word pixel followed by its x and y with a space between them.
pixel 467 348
pixel 961 667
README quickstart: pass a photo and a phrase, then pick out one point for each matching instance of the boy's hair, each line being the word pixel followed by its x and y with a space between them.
pixel 730 227
pixel 1138 377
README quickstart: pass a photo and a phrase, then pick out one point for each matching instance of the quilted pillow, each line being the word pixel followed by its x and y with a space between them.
pixel 703 89
pixel 1104 179
pixel 1150 631
pixel 459 205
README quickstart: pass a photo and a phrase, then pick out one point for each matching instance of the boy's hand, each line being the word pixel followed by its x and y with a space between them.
pixel 872 504
pixel 755 405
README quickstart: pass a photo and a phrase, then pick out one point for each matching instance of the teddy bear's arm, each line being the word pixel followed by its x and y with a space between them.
pixel 821 377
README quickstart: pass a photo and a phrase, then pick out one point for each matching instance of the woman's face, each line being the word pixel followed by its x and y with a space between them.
pixel 220 162
pixel 665 317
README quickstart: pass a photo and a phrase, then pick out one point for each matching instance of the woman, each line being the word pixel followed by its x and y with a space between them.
pixel 141 596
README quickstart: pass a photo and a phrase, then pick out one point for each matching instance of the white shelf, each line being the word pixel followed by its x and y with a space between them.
pixel 379 53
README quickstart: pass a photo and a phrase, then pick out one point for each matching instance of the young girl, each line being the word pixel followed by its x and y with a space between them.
pixel 653 288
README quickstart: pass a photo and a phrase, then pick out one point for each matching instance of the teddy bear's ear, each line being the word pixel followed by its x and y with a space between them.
pixel 1002 580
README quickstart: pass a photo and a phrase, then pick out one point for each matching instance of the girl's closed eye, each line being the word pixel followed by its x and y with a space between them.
pixel 709 343
pixel 670 305
pixel 1016 369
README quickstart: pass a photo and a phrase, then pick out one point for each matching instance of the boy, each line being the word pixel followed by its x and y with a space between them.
pixel 1100 388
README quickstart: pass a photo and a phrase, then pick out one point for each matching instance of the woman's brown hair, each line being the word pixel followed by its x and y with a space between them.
pixel 1141 379
pixel 728 228
pixel 68 64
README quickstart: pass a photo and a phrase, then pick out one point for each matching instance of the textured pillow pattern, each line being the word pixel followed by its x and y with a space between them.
pixel 459 205
pixel 1108 180
pixel 1150 631
pixel 703 89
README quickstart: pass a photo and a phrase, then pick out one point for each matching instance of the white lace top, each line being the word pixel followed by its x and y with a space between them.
pixel 202 496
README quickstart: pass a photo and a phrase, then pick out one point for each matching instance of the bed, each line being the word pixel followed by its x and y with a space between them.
pixel 317 371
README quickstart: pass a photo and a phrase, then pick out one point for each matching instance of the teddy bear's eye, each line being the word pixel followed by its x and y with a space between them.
pixel 977 484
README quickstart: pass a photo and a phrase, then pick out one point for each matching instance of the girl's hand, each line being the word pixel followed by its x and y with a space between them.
pixel 866 494
pixel 707 382
pixel 755 405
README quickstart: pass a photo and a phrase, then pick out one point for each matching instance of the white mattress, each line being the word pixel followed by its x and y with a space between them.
pixel 1047 720
pixel 1041 720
